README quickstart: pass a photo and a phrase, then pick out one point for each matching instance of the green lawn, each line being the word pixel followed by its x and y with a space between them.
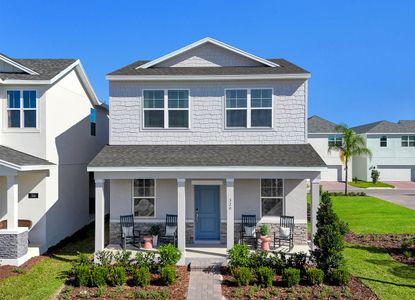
pixel 388 278
pixel 44 279
pixel 369 184
pixel 372 215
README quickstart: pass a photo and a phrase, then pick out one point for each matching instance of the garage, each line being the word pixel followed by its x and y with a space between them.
pixel 333 173
pixel 394 174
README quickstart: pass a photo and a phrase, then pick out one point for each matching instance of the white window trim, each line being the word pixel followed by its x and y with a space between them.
pixel 249 109
pixel 260 199
pixel 407 141
pixel 21 109
pixel 133 198
pixel 166 110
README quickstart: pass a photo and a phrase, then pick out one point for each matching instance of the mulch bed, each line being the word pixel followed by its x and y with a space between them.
pixel 177 291
pixel 9 271
pixel 390 242
pixel 355 290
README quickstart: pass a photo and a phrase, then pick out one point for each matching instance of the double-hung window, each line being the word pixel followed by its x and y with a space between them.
pixel 144 199
pixel 272 197
pixel 383 141
pixel 166 108
pixel 408 141
pixel 21 109
pixel 248 108
pixel 335 140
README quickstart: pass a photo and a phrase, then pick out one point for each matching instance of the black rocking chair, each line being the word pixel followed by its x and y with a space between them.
pixel 248 233
pixel 128 233
pixel 170 230
pixel 287 225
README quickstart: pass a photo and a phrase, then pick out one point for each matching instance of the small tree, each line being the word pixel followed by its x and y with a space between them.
pixel 329 239
pixel 375 174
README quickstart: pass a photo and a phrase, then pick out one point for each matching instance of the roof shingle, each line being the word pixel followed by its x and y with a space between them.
pixel 317 124
pixel 20 158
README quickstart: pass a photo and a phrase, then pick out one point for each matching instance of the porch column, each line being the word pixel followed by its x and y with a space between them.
pixel 230 215
pixel 181 215
pixel 12 203
pixel 99 214
pixel 315 203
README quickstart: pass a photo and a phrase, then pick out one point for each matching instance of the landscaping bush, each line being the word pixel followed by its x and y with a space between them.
pixel 99 276
pixel 146 259
pixel 242 275
pixel 168 274
pixel 104 257
pixel 408 247
pixel 141 276
pixel 264 276
pixel 169 255
pixel 117 276
pixel 291 277
pixel 122 258
pixel 278 262
pixel 314 276
pixel 297 261
pixel 83 259
pixel 239 256
pixel 339 276
pixel 259 259
pixel 329 239
pixel 82 275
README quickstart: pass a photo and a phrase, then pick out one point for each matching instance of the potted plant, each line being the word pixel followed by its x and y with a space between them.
pixel 155 231
pixel 265 239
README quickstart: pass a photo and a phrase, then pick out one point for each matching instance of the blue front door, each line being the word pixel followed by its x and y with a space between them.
pixel 207 212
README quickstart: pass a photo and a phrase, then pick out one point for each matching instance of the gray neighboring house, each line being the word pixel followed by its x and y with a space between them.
pixel 393 148
pixel 208 132
pixel 321 134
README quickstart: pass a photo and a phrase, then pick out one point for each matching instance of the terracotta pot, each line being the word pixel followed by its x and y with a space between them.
pixel 265 242
pixel 148 242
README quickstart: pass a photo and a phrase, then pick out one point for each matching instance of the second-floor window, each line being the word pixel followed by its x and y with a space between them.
pixel 383 141
pixel 408 141
pixel 22 109
pixel 335 140
pixel 248 108
pixel 166 108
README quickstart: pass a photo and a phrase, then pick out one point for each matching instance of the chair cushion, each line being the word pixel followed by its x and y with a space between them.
pixel 127 231
pixel 285 232
pixel 250 231
pixel 170 230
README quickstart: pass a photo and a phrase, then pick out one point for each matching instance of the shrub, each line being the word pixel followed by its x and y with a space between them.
pixel 264 276
pixel 104 257
pixel 122 258
pixel 169 255
pixel 168 274
pixel 83 259
pixel 242 275
pixel 264 229
pixel 329 239
pixel 99 276
pixel 314 276
pixel 374 174
pixel 239 256
pixel 117 276
pixel 154 229
pixel 291 276
pixel 259 259
pixel 297 261
pixel 339 276
pixel 278 262
pixel 141 276
pixel 82 274
pixel 146 259
pixel 408 247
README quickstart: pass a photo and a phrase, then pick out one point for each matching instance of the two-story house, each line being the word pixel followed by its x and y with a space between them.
pixel 393 151
pixel 52 125
pixel 208 132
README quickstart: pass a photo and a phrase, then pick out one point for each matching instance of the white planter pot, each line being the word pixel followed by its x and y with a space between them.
pixel 155 240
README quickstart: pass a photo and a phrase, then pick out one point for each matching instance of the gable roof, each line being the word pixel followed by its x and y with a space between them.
pixel 204 41
pixel 21 161
pixel 317 124
pixel 16 64
pixel 405 126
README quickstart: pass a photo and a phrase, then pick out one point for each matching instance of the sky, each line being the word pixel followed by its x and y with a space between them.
pixel 361 54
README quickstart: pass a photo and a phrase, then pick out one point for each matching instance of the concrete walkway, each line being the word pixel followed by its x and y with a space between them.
pixel 205 280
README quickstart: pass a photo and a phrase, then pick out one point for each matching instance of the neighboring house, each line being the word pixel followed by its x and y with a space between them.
pixel 321 134
pixel 52 125
pixel 393 149
pixel 208 132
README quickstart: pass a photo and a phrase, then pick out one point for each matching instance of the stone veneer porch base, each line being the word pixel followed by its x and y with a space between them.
pixel 300 231
pixel 14 246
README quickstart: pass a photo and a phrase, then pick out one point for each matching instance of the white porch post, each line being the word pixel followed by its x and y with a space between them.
pixel 315 203
pixel 230 215
pixel 12 203
pixel 99 214
pixel 181 215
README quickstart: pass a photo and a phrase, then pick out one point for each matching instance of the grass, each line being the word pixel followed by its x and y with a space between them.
pixel 369 184
pixel 372 215
pixel 45 278
pixel 387 278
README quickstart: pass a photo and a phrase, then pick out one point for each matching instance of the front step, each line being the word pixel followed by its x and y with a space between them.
pixel 205 264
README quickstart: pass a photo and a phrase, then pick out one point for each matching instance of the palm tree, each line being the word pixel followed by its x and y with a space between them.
pixel 352 144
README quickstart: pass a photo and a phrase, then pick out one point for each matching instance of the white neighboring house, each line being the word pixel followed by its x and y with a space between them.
pixel 52 125
pixel 393 149
pixel 321 134
pixel 208 133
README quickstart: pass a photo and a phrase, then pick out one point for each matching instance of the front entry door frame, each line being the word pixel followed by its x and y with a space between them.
pixel 207 214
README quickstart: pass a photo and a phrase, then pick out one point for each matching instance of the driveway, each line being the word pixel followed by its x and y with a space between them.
pixel 335 186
